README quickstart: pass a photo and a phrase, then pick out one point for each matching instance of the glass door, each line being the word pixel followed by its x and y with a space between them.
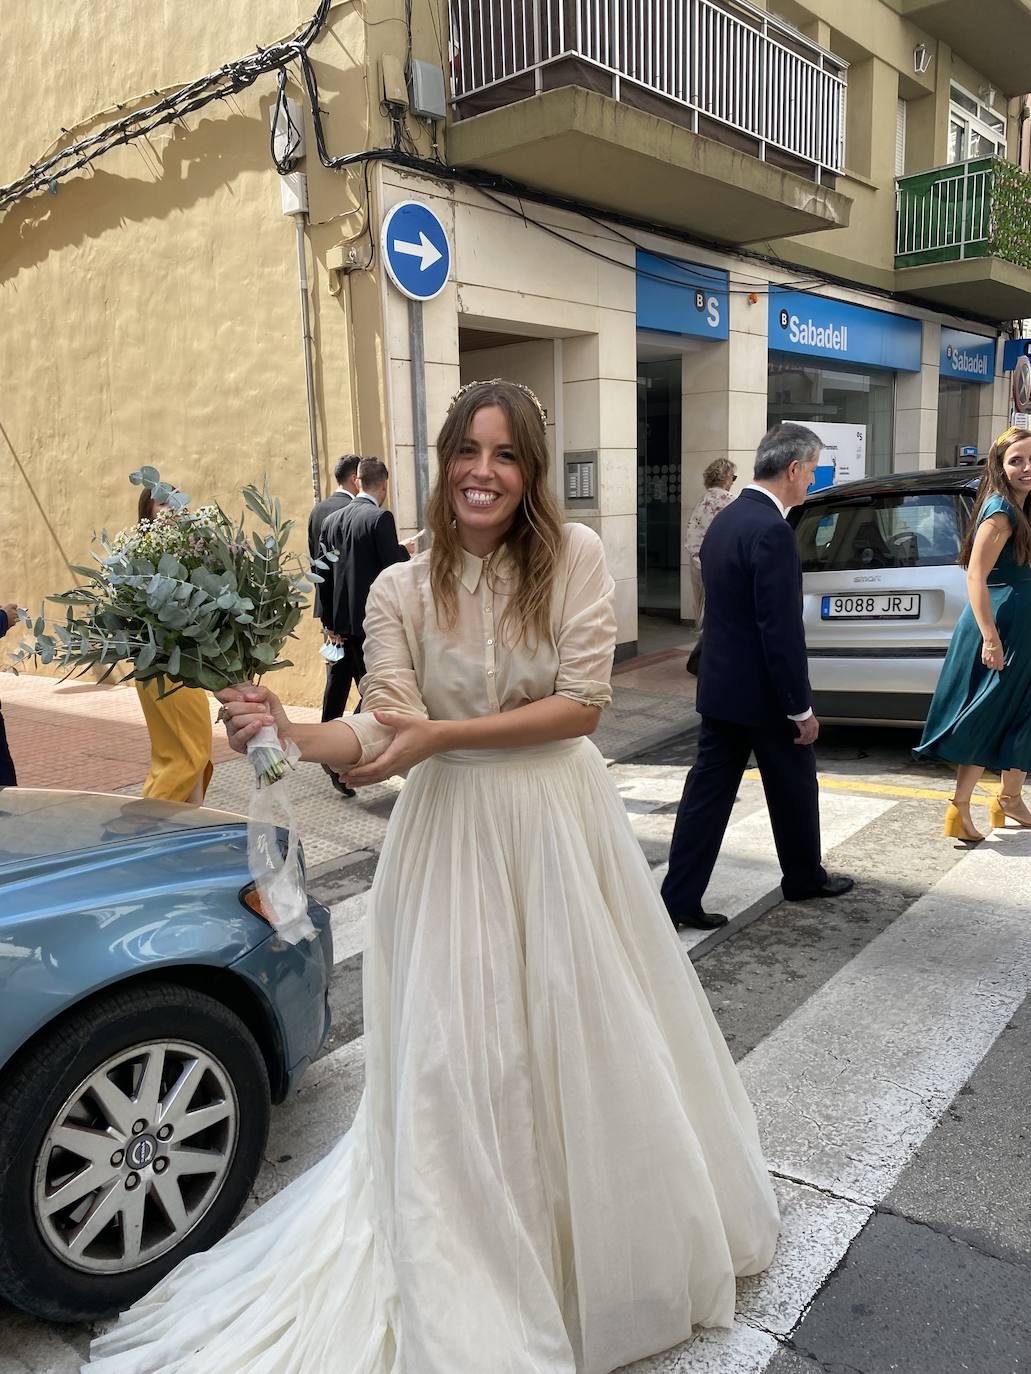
pixel 658 486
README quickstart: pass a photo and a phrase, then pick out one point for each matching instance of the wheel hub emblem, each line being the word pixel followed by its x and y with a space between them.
pixel 141 1152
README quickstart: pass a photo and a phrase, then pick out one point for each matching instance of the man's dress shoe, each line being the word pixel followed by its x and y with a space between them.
pixel 701 920
pixel 833 887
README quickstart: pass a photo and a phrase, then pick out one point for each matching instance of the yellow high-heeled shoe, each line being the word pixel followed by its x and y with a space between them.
pixel 1000 815
pixel 956 827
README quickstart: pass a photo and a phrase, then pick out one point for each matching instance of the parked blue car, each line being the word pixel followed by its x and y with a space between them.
pixel 149 1015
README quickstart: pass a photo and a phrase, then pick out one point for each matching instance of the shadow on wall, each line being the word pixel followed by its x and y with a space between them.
pixel 186 170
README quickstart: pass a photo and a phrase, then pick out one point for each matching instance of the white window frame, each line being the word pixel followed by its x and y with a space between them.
pixel 985 122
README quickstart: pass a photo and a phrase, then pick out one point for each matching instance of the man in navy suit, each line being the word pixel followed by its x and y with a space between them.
pixel 753 688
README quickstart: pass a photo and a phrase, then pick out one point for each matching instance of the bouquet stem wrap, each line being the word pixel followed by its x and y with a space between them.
pixel 277 876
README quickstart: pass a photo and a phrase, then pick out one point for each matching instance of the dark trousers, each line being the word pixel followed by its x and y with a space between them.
pixel 788 772
pixel 338 688
pixel 340 676
pixel 7 774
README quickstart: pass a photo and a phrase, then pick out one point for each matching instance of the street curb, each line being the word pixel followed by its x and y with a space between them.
pixel 741 921
pixel 665 735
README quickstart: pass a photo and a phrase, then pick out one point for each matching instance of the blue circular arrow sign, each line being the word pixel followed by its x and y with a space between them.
pixel 416 251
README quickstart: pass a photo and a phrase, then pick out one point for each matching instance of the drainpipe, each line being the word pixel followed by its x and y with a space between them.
pixel 288 149
pixel 309 370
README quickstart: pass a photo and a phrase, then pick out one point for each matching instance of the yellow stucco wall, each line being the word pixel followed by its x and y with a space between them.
pixel 151 307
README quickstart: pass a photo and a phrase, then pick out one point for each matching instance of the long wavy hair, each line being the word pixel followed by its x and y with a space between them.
pixel 534 538
pixel 994 483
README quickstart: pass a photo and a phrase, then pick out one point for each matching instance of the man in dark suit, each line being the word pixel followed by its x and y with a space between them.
pixel 364 537
pixel 338 673
pixel 753 688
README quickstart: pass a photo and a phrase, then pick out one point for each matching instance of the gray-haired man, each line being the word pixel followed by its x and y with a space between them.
pixel 753 687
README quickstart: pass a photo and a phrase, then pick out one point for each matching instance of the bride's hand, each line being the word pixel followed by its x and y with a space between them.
pixel 246 709
pixel 415 739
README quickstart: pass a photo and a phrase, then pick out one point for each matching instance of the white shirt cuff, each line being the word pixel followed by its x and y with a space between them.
pixel 804 716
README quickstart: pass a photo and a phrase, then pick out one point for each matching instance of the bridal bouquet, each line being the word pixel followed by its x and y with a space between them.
pixel 190 598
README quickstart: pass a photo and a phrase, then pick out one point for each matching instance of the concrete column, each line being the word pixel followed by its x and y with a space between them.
pixel 599 412
pixel 916 407
pixel 724 408
pixel 996 405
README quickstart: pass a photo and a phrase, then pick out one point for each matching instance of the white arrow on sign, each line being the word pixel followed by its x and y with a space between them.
pixel 423 249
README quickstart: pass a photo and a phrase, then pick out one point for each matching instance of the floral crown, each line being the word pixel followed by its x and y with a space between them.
pixel 502 381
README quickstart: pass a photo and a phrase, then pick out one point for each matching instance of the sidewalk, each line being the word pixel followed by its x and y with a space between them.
pixel 80 735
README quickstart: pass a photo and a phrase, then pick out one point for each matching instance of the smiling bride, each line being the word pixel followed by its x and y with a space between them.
pixel 555 1168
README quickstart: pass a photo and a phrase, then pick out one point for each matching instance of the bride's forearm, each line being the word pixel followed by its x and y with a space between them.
pixel 332 742
pixel 539 722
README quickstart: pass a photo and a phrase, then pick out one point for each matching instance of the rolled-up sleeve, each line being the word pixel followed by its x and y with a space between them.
pixel 390 682
pixel 586 635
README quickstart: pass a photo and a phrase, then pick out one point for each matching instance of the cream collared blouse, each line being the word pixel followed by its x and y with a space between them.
pixel 417 668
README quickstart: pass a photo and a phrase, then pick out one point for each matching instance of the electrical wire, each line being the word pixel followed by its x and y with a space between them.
pixel 228 80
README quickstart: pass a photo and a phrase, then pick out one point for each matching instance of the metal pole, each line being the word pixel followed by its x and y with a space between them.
pixel 309 371
pixel 419 440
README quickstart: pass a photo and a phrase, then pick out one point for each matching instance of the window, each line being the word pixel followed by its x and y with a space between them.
pixel 975 130
pixel 900 138
pixel 810 390
pixel 923 530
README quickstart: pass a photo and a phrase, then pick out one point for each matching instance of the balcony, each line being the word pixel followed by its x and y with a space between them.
pixel 994 38
pixel 964 238
pixel 712 117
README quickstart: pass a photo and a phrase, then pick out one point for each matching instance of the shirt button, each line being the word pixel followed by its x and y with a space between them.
pixel 490 672
pixel 490 641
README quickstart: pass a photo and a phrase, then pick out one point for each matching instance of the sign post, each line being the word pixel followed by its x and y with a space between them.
pixel 417 256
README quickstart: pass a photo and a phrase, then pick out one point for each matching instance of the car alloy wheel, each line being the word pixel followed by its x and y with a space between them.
pixel 136 1156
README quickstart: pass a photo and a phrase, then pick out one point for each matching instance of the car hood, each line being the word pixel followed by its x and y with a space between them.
pixel 38 823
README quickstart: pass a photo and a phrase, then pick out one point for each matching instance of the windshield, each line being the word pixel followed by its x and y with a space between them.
pixel 922 530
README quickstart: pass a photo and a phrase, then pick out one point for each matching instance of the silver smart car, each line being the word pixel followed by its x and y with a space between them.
pixel 882 590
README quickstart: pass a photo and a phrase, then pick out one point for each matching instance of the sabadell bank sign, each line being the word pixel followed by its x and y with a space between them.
pixel 823 328
pixel 967 357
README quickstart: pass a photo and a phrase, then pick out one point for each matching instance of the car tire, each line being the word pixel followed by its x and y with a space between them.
pixel 34 1096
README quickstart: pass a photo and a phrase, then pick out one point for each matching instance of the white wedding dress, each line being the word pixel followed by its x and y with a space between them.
pixel 555 1168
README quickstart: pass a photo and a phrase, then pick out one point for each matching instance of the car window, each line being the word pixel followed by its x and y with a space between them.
pixel 920 530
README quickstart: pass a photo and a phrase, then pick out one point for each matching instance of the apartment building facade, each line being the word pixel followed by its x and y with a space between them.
pixel 677 220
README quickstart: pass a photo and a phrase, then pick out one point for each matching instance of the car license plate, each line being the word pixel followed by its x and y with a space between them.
pixel 879 606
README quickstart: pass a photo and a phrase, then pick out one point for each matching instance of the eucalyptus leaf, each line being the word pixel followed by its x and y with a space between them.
pixel 145 477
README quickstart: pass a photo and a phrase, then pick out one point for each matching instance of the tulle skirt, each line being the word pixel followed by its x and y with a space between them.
pixel 554 1169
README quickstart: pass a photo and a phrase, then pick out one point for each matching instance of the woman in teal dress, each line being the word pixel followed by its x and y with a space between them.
pixel 981 713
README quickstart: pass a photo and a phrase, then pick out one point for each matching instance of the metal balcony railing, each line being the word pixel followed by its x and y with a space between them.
pixel 975 209
pixel 729 64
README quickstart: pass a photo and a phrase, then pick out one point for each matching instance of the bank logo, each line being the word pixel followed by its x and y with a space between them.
pixel 961 361
pixel 710 307
pixel 832 337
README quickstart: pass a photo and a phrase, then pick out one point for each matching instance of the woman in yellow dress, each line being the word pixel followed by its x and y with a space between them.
pixel 179 726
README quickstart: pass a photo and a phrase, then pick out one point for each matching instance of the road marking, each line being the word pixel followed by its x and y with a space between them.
pixel 849 1084
pixel 348 925
pixel 878 789
pixel 747 870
